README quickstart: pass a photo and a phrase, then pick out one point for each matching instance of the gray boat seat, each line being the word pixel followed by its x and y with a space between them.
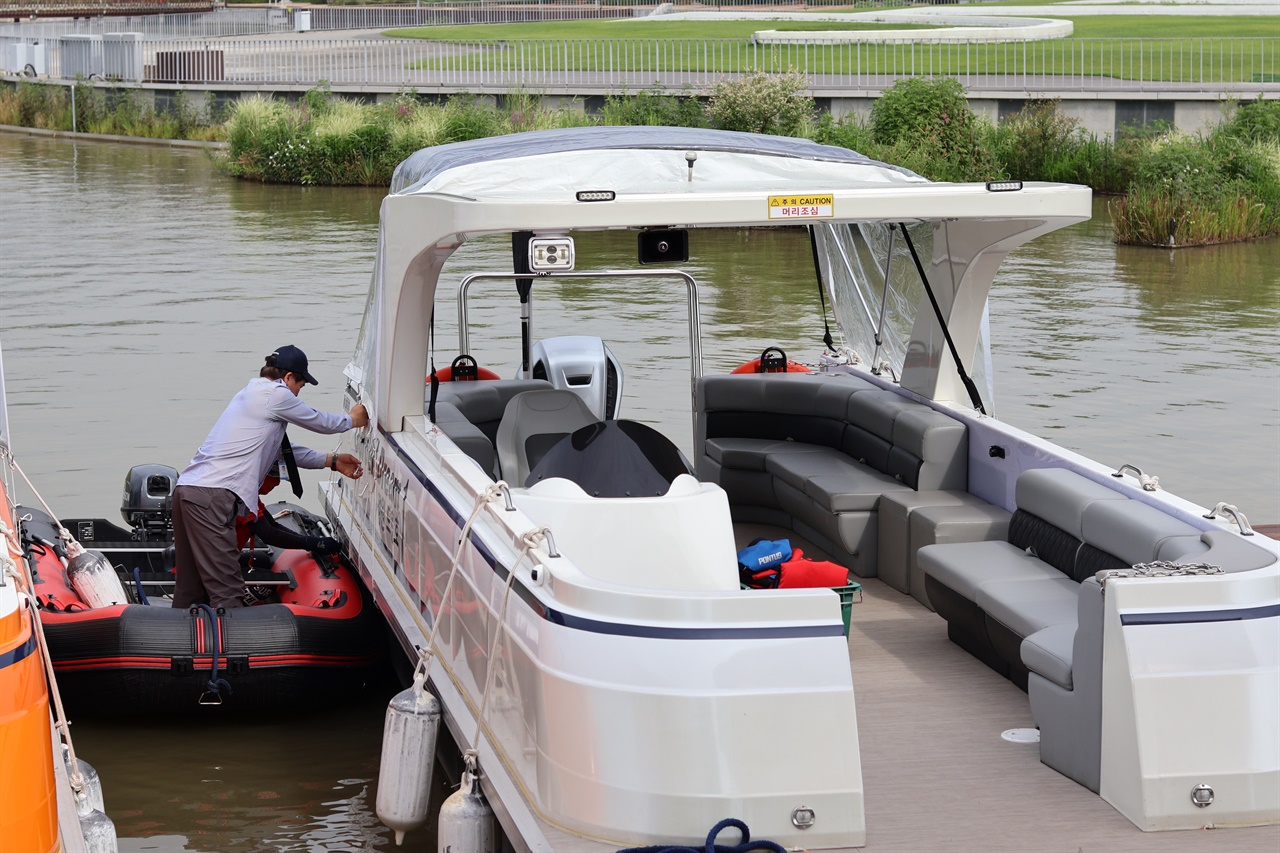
pixel 532 424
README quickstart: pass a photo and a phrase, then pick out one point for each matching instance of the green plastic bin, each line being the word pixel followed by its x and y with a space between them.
pixel 846 594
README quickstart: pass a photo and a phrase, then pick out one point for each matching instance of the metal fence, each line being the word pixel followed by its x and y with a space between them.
pixel 1241 66
pixel 235 21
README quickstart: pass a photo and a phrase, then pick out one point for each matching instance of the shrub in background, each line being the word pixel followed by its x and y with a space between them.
pixel 1189 191
pixel 762 103
pixel 653 109
pixel 925 124
pixel 1255 121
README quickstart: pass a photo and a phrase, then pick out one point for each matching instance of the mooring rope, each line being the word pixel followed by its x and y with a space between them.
pixel 711 847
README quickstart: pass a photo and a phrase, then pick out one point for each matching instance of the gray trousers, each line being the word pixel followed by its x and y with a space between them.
pixel 204 539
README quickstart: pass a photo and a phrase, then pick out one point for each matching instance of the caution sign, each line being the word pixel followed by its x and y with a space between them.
pixel 809 206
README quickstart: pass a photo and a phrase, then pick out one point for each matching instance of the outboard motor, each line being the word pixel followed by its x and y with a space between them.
pixel 147 505
pixel 583 365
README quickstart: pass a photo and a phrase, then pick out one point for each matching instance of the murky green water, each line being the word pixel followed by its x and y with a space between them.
pixel 140 290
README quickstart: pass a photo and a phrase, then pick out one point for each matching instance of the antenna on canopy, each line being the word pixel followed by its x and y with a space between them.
pixel 524 287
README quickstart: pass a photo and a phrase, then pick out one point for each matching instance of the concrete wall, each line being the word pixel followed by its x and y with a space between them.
pixel 1102 115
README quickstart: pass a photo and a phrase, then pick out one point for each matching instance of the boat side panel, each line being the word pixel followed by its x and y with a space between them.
pixel 628 731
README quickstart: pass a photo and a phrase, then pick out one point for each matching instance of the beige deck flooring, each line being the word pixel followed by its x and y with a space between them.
pixel 937 776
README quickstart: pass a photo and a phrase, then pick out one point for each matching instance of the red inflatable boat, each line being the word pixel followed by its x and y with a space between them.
pixel 313 635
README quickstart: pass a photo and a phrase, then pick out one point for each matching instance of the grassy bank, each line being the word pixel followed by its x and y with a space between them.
pixel 1221 186
pixel 120 112
pixel 1154 47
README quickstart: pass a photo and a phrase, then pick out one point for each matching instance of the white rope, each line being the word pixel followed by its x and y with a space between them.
pixel 482 500
pixel 74 548
pixel 531 539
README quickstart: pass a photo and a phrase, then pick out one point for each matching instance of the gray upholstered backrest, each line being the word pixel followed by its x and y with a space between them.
pixel 484 401
pixel 466 435
pixel 805 407
pixel 930 450
pixel 1060 497
pixel 1137 533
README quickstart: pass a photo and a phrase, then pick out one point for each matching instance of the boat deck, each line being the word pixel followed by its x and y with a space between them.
pixel 937 775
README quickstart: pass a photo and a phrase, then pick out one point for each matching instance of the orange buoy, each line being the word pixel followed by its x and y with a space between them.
pixel 769 363
pixel 463 369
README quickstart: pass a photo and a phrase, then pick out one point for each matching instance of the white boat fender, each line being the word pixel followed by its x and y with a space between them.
pixel 90 794
pixel 742 846
pixel 98 830
pixel 95 580
pixel 466 823
pixel 408 757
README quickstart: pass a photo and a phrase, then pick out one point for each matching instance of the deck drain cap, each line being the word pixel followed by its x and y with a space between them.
pixel 802 817
pixel 1021 735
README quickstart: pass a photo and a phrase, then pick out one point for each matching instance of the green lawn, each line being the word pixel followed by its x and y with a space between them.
pixel 630 29
pixel 1087 26
pixel 1183 49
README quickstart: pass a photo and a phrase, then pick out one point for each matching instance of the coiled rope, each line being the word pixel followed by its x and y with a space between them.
pixel 711 847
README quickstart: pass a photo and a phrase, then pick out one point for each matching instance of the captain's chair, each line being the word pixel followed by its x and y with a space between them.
pixel 532 424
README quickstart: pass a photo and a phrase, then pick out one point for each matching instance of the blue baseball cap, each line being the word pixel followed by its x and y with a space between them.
pixel 294 360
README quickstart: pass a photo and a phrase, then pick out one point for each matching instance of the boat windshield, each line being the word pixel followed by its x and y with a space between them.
pixel 614 459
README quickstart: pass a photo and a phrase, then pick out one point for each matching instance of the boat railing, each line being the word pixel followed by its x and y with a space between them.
pixel 695 319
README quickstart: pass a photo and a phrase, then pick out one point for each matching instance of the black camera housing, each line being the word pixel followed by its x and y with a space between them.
pixel 666 246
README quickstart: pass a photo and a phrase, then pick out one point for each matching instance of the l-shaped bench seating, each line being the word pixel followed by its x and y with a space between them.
pixel 1031 606
pixel 814 453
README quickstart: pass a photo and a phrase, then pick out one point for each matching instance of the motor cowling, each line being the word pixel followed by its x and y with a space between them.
pixel 581 364
pixel 147 503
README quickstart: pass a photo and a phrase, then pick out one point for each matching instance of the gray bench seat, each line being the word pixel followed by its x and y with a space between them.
pixel 1031 607
pixel 815 453
pixel 1048 652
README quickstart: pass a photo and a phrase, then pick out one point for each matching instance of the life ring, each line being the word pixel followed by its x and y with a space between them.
pixel 463 369
pixel 771 364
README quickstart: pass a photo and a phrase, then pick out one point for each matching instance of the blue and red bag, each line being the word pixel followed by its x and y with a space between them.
pixel 759 564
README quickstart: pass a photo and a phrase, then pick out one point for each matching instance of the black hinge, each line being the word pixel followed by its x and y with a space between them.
pixel 237 664
pixel 181 666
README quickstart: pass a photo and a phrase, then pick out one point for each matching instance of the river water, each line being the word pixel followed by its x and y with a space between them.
pixel 141 289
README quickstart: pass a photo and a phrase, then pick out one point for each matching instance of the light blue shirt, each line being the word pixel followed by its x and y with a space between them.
pixel 244 444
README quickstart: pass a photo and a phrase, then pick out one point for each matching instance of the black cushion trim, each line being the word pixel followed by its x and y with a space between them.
pixel 1051 544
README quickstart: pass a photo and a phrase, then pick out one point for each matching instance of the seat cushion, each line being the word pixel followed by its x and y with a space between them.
pixel 1028 606
pixel 832 479
pixel 748 454
pixel 964 567
pixel 1048 653
pixel 1137 533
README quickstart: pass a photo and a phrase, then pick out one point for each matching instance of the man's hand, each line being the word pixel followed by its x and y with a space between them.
pixel 348 465
pixel 323 545
pixel 359 415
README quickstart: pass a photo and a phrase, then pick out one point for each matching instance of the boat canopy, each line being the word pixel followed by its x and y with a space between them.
pixel 594 178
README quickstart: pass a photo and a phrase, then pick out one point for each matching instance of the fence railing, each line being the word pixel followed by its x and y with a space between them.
pixel 1241 66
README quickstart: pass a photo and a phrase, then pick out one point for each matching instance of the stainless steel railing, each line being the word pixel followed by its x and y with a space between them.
pixel 1243 66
